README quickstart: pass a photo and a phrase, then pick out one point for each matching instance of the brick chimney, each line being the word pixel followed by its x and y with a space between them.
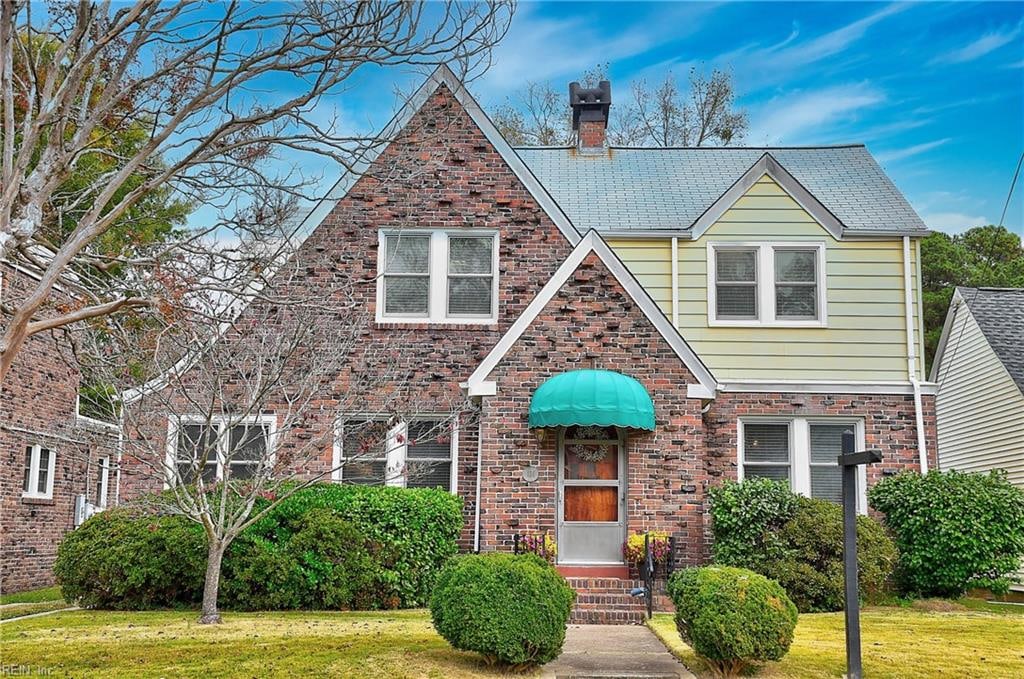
pixel 590 114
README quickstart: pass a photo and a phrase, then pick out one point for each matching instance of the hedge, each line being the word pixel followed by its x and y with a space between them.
pixel 798 541
pixel 954 530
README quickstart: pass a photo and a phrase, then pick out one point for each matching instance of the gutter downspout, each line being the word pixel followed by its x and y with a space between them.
pixel 675 282
pixel 908 302
pixel 479 476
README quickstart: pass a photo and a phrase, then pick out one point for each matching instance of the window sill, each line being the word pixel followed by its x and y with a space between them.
pixel 438 325
pixel 43 501
pixel 773 324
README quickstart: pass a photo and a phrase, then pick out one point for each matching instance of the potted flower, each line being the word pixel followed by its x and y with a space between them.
pixel 633 548
pixel 541 544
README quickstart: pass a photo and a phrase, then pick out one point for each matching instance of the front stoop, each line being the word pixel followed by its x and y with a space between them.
pixel 606 601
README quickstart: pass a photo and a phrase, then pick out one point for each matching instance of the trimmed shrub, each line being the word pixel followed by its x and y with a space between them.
pixel 416 530
pixel 797 541
pixel 338 569
pixel 128 560
pixel 732 617
pixel 511 609
pixel 954 530
pixel 259 575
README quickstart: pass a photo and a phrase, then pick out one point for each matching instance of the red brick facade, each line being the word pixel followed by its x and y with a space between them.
pixel 38 407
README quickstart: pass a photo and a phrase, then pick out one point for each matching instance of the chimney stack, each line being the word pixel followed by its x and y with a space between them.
pixel 590 114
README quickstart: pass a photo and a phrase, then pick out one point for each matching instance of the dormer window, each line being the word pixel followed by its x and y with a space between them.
pixel 766 284
pixel 438 277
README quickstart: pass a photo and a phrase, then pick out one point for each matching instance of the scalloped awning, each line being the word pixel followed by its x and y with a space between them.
pixel 592 397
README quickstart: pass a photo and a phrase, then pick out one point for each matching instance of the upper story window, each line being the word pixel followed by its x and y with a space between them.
pixel 801 451
pixel 415 454
pixel 219 449
pixel 766 284
pixel 39 467
pixel 438 277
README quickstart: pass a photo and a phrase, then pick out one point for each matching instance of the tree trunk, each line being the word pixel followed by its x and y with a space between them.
pixel 215 553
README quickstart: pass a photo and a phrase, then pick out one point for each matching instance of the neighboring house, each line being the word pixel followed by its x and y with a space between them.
pixel 979 370
pixel 55 465
pixel 634 325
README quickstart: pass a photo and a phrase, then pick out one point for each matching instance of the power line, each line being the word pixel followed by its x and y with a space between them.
pixel 1012 184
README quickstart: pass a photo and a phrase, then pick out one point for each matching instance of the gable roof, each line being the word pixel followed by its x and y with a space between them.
pixel 592 242
pixel 442 75
pixel 668 189
pixel 999 312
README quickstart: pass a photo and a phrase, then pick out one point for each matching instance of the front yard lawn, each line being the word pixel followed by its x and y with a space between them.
pixel 976 640
pixel 294 643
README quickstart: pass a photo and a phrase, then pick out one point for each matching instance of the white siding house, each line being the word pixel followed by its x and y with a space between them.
pixel 979 369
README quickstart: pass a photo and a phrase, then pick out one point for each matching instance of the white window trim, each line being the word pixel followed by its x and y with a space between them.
pixel 175 423
pixel 437 295
pixel 397 451
pixel 800 451
pixel 103 469
pixel 766 284
pixel 33 474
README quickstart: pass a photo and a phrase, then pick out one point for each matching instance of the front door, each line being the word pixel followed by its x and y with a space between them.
pixel 591 495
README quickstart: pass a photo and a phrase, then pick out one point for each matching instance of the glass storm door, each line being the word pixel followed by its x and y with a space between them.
pixel 591 495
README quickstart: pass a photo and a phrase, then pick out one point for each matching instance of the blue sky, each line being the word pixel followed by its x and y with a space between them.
pixel 935 90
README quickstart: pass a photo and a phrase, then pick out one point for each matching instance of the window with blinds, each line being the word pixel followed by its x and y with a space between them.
pixel 736 283
pixel 826 474
pixel 766 451
pixel 417 454
pixel 438 276
pixel 429 455
pixel 796 284
pixel 364 446
pixel 220 450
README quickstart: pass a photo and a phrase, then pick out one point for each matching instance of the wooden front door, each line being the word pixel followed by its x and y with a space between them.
pixel 591 495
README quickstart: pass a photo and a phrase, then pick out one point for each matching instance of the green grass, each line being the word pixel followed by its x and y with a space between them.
pixel 902 642
pixel 31 596
pixel 299 643
pixel 17 610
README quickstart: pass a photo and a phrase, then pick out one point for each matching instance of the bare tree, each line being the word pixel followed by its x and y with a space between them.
pixel 250 397
pixel 662 115
pixel 219 92
pixel 665 116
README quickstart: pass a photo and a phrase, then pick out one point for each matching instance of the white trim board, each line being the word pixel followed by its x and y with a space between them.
pixel 839 387
pixel 478 385
pixel 768 165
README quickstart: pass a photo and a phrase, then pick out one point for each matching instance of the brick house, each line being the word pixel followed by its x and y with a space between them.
pixel 54 459
pixel 693 315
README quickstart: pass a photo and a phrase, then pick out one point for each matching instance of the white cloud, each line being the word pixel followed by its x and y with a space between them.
pixel 953 222
pixel 909 151
pixel 989 42
pixel 793 118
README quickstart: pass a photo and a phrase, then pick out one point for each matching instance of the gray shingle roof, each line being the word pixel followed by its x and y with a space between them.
pixel 645 189
pixel 1000 314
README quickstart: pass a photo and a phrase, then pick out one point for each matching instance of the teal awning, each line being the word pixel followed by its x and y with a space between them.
pixel 592 397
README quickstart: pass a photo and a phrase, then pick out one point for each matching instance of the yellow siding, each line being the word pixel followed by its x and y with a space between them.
pixel 866 335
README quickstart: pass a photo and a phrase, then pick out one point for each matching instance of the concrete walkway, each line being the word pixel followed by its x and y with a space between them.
pixel 614 651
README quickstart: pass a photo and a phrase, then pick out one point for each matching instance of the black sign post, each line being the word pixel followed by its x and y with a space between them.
pixel 849 461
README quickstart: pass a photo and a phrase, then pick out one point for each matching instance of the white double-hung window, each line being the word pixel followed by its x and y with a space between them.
pixel 767 284
pixel 40 464
pixel 437 277
pixel 416 454
pixel 218 449
pixel 802 452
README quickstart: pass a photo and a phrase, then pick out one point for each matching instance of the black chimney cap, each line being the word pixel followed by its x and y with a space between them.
pixel 590 103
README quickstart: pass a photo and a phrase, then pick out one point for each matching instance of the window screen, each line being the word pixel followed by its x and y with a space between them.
pixel 197 452
pixel 27 485
pixel 826 474
pixel 736 284
pixel 43 477
pixel 766 451
pixel 407 275
pixel 363 449
pixel 429 455
pixel 796 286
pixel 470 275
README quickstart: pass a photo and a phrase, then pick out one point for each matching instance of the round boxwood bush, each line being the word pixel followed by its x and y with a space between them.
pixel 732 617
pixel 511 609
pixel 954 530
pixel 129 560
pixel 798 541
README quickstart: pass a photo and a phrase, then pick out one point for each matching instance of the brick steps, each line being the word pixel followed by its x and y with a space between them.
pixel 606 601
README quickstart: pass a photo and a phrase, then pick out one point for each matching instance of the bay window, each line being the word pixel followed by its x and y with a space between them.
pixel 802 452
pixel 766 284
pixel 438 277
pixel 416 454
